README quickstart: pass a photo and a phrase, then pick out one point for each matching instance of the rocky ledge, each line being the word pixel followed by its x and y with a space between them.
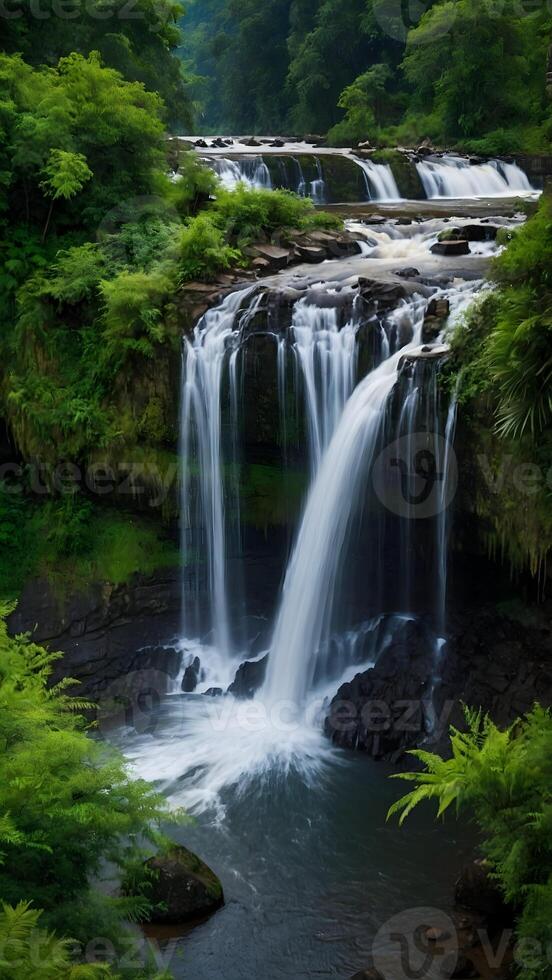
pixel 108 631
pixel 492 661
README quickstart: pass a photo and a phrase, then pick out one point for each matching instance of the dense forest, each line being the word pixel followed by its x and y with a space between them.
pixel 115 241
pixel 461 73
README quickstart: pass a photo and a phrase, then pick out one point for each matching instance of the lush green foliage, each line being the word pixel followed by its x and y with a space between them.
pixel 460 71
pixel 505 779
pixel 72 543
pixel 67 803
pixel 503 354
pixel 26 950
pixel 138 41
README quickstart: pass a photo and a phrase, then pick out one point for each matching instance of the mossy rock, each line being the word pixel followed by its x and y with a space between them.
pixel 404 172
pixel 183 887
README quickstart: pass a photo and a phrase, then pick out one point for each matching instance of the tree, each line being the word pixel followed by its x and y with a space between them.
pixel 475 66
pixel 138 40
pixel 364 103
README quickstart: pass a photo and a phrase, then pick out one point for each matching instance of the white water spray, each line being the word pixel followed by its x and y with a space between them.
pixel 455 177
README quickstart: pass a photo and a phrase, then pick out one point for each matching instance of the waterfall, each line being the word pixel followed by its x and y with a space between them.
pixel 318 186
pixel 380 182
pixel 205 358
pixel 455 177
pixel 304 620
pixel 443 524
pixel 326 357
pixel 251 171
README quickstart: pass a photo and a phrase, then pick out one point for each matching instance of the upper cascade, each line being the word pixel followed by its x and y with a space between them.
pixel 455 177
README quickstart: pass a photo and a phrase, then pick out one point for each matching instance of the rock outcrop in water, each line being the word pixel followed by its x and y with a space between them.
pixel 182 888
pixel 498 661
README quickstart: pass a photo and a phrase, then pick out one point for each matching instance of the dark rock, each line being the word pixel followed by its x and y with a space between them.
pixel 108 633
pixel 470 233
pixel 277 142
pixel 249 678
pixel 250 141
pixel 191 676
pixel 435 318
pixel 368 713
pixel 277 258
pixel 426 148
pixel 310 253
pixel 183 887
pixel 408 273
pixel 202 144
pixel 464 969
pixel 214 692
pixel 451 248
pixel 476 889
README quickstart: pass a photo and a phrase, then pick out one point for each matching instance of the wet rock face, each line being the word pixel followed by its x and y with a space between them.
pixel 191 676
pixel 385 709
pixel 491 661
pixel 107 633
pixel 453 247
pixel 477 891
pixel 183 887
pixel 249 678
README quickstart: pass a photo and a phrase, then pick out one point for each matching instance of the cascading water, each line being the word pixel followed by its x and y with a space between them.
pixel 455 177
pixel 251 171
pixel 205 359
pixel 380 182
pixel 318 186
pixel 326 354
pixel 305 617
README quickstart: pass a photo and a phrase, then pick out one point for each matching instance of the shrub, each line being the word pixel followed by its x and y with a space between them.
pixel 67 802
pixel 505 779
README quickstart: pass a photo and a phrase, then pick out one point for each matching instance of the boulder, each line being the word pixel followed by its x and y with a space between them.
pixel 426 148
pixel 249 678
pixel 408 273
pixel 183 887
pixel 202 144
pixel 191 676
pixel 435 318
pixel 470 233
pixel 451 248
pixel 310 253
pixel 277 258
pixel 214 692
pixel 250 141
pixel 476 889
